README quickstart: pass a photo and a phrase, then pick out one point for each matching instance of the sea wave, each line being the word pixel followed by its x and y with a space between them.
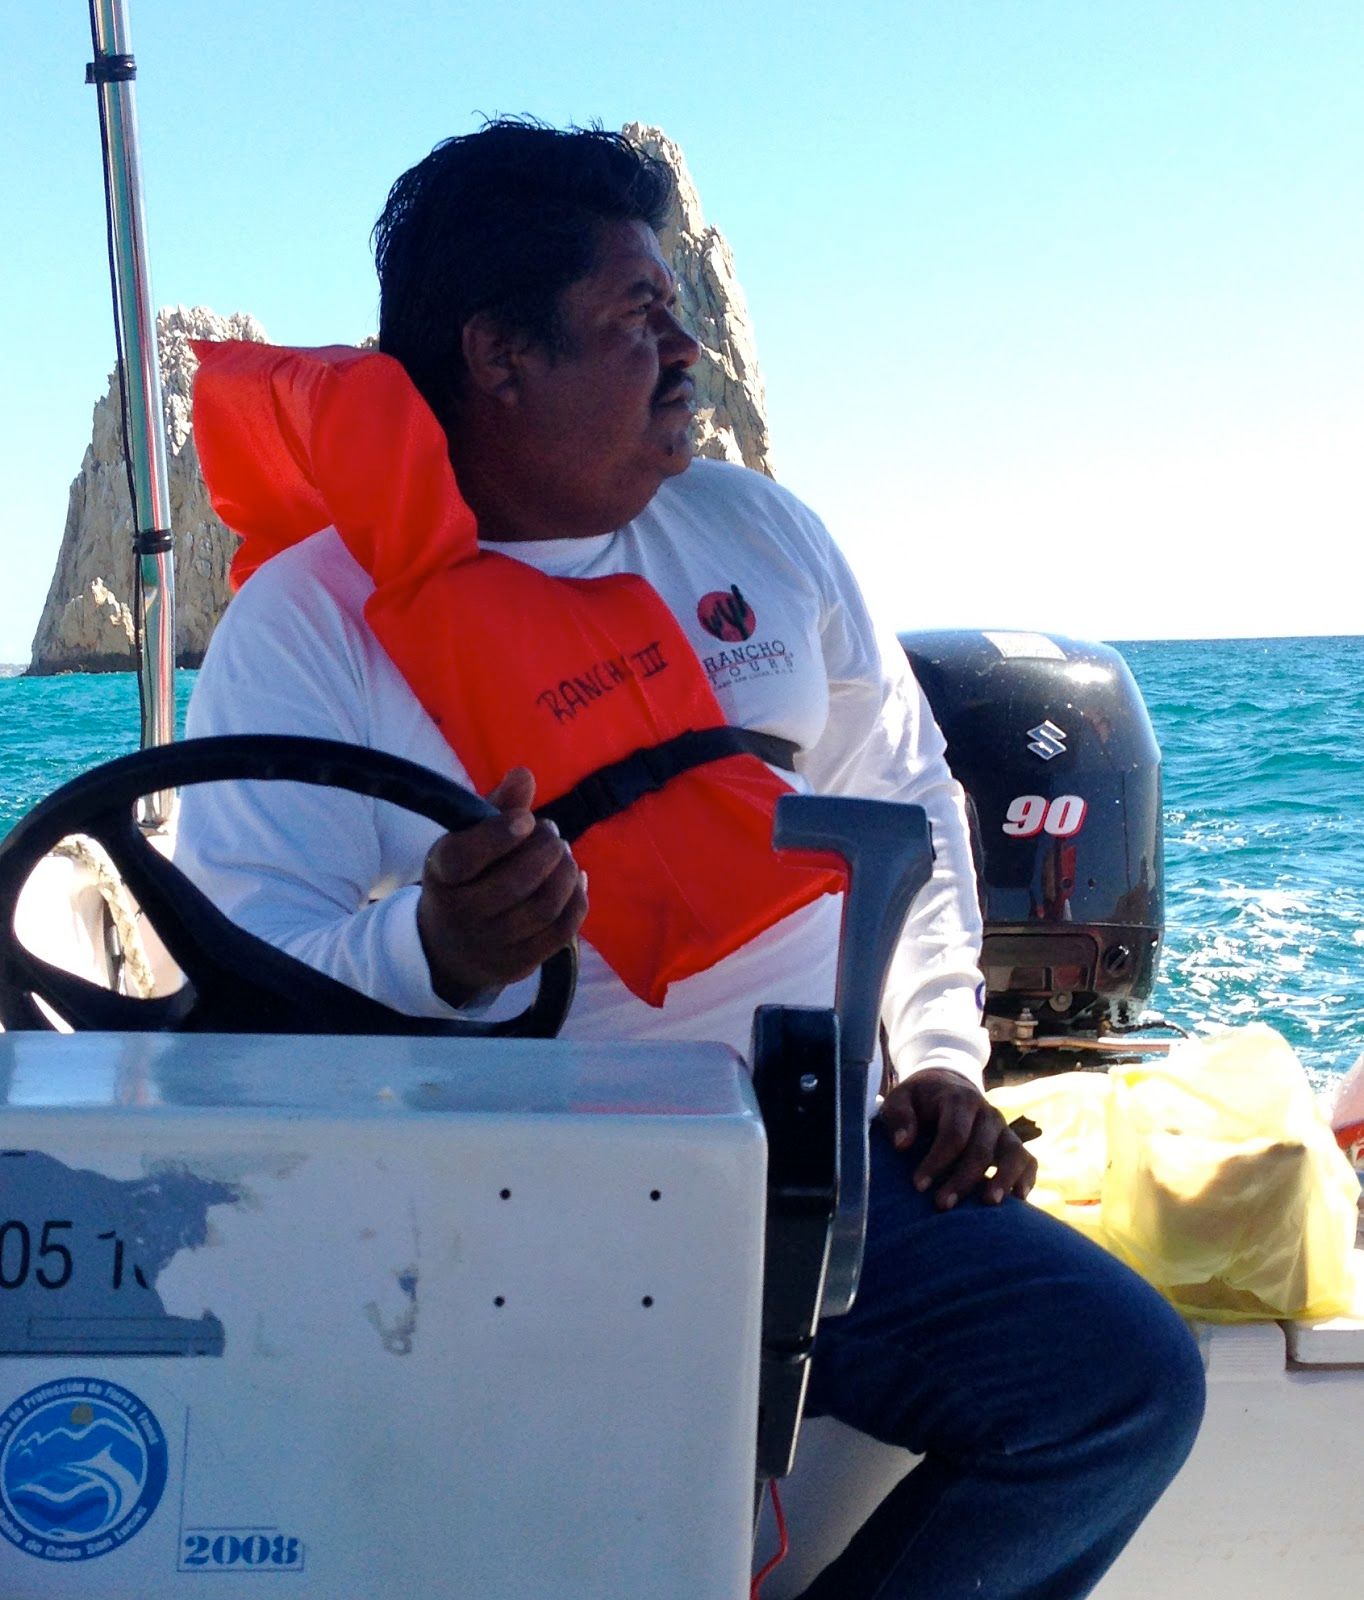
pixel 1263 746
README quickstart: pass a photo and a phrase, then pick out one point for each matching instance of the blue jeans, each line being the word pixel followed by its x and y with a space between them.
pixel 1052 1394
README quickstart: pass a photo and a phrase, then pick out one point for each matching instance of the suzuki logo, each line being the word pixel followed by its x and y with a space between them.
pixel 1047 740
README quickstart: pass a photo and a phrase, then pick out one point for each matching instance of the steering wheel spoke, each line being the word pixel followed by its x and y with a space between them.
pixel 235 982
pixel 178 910
pixel 85 1005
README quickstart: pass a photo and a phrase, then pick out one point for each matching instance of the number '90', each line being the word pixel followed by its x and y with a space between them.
pixel 1029 814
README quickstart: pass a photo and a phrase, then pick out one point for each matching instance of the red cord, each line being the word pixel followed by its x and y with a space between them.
pixel 783 1543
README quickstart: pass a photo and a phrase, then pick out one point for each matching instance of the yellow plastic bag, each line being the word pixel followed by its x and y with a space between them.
pixel 1071 1109
pixel 1221 1182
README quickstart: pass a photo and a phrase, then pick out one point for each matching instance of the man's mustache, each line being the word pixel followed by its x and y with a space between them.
pixel 674 386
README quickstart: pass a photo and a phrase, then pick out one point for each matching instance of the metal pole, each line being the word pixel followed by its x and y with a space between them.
pixel 112 72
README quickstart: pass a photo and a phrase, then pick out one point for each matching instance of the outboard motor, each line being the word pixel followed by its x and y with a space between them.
pixel 1052 743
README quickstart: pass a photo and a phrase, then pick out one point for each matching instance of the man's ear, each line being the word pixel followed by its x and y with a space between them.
pixel 492 358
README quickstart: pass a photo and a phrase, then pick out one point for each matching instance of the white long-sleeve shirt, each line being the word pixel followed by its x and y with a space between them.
pixel 331 877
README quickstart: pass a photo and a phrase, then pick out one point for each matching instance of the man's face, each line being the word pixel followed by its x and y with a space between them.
pixel 601 422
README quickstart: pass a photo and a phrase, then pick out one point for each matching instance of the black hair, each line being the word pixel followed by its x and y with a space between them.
pixel 501 221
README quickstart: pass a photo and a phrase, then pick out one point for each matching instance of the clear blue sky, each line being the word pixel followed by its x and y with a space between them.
pixel 1060 303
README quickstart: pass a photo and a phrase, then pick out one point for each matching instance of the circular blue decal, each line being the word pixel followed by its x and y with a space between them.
pixel 82 1467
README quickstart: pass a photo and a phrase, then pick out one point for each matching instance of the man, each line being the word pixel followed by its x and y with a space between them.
pixel 523 291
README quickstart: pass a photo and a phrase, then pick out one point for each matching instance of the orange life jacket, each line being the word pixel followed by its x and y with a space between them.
pixel 292 441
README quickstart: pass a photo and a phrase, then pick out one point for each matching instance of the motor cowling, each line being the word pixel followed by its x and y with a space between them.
pixel 1051 740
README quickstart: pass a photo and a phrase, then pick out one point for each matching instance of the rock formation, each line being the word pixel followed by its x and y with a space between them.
pixel 87 622
pixel 731 406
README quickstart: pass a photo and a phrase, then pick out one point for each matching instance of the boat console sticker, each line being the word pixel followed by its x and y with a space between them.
pixel 80 1255
pixel 82 1468
pixel 247 1550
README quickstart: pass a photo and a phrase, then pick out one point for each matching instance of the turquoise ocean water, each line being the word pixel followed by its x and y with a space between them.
pixel 1263 742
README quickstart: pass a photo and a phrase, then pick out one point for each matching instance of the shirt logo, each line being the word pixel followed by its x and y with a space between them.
pixel 727 615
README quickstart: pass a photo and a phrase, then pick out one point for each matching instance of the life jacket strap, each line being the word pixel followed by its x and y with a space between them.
pixel 616 786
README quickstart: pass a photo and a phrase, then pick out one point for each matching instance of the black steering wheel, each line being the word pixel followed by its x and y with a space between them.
pixel 234 982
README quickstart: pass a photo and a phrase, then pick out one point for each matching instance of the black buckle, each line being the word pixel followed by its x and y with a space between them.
pixel 616 786
pixel 658 769
pixel 593 797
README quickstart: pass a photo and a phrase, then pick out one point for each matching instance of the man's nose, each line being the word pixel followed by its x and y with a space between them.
pixel 676 346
